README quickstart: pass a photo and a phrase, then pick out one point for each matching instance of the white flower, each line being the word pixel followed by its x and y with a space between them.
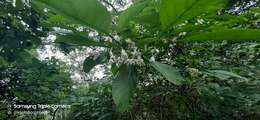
pixel 200 21
pixel 183 33
pixel 152 59
pixel 124 54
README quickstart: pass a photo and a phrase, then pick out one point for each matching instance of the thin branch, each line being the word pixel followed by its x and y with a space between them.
pixel 111 5
pixel 54 114
pixel 118 43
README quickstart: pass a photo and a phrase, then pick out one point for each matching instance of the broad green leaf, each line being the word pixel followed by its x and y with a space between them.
pixel 225 34
pixel 130 14
pixel 177 11
pixel 170 73
pixel 123 86
pixel 149 16
pixel 189 28
pixel 221 74
pixel 90 62
pixel 231 20
pixel 256 10
pixel 86 12
pixel 81 40
pixel 59 21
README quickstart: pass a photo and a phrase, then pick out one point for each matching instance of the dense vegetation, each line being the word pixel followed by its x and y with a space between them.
pixel 166 59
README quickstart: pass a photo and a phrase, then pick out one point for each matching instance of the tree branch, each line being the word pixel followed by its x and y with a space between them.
pixel 111 5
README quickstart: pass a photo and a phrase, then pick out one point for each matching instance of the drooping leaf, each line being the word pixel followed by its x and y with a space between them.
pixel 123 86
pixel 177 11
pixel 221 74
pixel 130 14
pixel 90 62
pixel 170 73
pixel 86 12
pixel 225 34
pixel 81 40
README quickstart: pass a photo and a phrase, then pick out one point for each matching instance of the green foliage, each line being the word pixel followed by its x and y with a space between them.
pixel 223 74
pixel 130 14
pixel 225 34
pixel 184 21
pixel 18 29
pixel 123 86
pixel 85 12
pixel 208 97
pixel 172 74
pixel 90 62
pixel 42 83
pixel 23 78
pixel 32 82
pixel 173 12
pixel 81 39
pixel 93 102
pixel 222 93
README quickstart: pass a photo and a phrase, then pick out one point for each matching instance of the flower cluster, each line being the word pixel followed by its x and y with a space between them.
pixel 131 56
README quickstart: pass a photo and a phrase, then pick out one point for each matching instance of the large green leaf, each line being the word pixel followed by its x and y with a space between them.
pixel 149 16
pixel 86 12
pixel 90 62
pixel 59 21
pixel 225 34
pixel 221 74
pixel 130 14
pixel 81 39
pixel 123 86
pixel 176 11
pixel 170 73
